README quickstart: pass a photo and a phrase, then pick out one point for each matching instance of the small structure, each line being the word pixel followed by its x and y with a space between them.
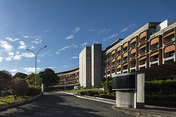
pixel 129 89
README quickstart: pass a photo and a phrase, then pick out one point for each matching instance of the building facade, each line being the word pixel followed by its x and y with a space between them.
pixel 150 49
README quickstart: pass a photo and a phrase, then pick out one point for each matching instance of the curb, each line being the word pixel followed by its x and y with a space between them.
pixel 149 111
pixel 108 101
pixel 19 103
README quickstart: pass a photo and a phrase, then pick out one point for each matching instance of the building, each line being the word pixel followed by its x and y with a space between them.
pixel 150 49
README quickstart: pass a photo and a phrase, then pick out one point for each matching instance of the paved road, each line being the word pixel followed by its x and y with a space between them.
pixel 62 105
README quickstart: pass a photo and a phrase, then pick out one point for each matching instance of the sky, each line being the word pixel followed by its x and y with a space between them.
pixel 66 27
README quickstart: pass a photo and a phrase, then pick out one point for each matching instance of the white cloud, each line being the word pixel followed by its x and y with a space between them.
pixel 70 37
pixel 37 41
pixel 1 58
pixel 63 48
pixel 57 52
pixel 28 55
pixel 32 47
pixel 91 30
pixel 13 70
pixel 74 45
pixel 22 45
pixel 128 27
pixel 104 31
pixel 84 44
pixel 10 39
pixel 38 60
pixel 112 36
pixel 31 69
pixel 17 57
pixel 25 36
pixel 96 41
pixel 76 29
pixel 52 67
pixel 6 46
pixel 74 57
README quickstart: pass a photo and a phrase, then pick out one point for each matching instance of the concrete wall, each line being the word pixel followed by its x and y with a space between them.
pixel 85 67
pixel 96 64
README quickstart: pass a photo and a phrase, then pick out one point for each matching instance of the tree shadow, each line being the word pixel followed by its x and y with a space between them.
pixel 49 105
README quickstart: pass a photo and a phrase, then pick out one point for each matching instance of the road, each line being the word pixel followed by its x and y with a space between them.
pixel 62 105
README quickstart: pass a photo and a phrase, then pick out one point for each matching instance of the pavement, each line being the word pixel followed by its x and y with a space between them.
pixel 148 111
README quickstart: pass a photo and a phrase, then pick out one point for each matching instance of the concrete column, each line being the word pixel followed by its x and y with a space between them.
pixel 175 45
pixel 137 53
pixel 121 58
pixel 160 50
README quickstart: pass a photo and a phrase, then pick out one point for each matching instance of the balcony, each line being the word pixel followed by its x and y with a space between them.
pixel 168 37
pixel 154 47
pixel 143 40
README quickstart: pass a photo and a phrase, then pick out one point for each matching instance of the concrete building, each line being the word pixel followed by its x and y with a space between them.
pixel 150 49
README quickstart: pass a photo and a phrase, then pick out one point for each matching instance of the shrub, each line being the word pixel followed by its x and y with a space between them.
pixel 34 90
pixel 19 87
pixel 107 85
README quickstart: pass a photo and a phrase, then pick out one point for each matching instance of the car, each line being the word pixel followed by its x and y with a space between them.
pixel 4 93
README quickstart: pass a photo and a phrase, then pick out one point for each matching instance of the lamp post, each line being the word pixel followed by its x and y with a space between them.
pixel 36 60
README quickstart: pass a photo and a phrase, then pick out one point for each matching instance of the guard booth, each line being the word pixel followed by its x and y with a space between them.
pixel 129 89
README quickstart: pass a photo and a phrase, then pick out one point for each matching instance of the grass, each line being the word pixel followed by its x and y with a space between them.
pixel 10 99
pixel 82 90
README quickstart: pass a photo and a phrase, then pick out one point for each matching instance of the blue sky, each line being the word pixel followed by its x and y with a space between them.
pixel 67 26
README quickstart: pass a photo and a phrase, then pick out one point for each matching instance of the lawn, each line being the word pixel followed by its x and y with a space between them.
pixel 10 99
pixel 82 90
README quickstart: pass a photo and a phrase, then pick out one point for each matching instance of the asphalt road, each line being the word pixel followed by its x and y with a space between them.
pixel 62 105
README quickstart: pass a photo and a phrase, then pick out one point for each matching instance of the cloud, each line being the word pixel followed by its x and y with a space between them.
pixel 96 41
pixel 10 39
pixel 13 70
pixel 84 44
pixel 6 46
pixel 1 58
pixel 22 45
pixel 104 31
pixel 38 60
pixel 74 57
pixel 57 52
pixel 25 36
pixel 76 30
pixel 17 57
pixel 28 55
pixel 91 30
pixel 69 37
pixel 32 47
pixel 68 65
pixel 64 48
pixel 37 41
pixel 74 45
pixel 112 36
pixel 128 27
pixel 52 67
pixel 31 69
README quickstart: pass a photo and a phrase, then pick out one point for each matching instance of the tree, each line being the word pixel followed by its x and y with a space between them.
pixel 31 79
pixel 5 79
pixel 107 85
pixel 49 77
pixel 20 75
pixel 19 86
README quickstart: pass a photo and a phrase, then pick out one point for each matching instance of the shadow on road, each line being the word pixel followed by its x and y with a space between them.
pixel 50 105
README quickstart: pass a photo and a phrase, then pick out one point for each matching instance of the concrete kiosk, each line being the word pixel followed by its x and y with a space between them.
pixel 129 89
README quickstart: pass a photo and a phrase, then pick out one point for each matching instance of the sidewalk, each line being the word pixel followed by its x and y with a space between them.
pixel 148 111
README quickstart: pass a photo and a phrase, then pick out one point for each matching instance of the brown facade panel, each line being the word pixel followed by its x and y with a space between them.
pixel 155 40
pixel 169 48
pixel 143 35
pixel 153 54
pixel 133 51
pixel 142 58
pixel 133 40
pixel 126 54
pixel 119 49
pixel 125 45
pixel 142 46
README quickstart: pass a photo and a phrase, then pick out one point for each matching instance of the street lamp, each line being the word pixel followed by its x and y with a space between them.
pixel 36 60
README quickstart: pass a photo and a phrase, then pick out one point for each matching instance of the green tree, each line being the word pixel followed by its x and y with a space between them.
pixel 49 77
pixel 19 86
pixel 5 79
pixel 20 75
pixel 31 79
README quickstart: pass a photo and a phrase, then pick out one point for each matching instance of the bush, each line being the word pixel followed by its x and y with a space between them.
pixel 19 87
pixel 90 93
pixel 34 91
pixel 107 85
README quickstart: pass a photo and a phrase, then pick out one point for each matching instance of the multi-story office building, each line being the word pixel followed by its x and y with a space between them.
pixel 150 49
